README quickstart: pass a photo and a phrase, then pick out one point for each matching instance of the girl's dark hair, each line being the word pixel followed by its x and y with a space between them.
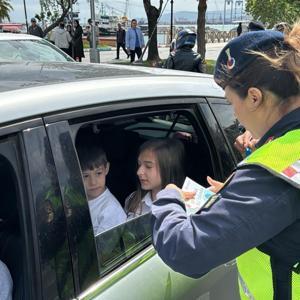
pixel 277 70
pixel 170 156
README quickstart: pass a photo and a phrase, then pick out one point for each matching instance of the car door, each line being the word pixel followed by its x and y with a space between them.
pixel 121 262
pixel 33 238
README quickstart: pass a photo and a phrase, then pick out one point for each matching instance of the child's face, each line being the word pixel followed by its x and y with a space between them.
pixel 94 181
pixel 148 171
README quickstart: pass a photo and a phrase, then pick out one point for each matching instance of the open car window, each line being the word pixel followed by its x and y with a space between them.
pixel 121 138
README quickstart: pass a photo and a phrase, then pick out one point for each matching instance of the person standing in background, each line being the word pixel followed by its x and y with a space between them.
pixel 90 34
pixel 35 29
pixel 239 29
pixel 77 42
pixel 62 38
pixel 134 40
pixel 121 35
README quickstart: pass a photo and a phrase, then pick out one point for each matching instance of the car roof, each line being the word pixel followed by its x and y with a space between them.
pixel 111 84
pixel 17 36
pixel 18 75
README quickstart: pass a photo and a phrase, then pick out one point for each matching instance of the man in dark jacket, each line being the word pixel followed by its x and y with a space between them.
pixel 121 34
pixel 35 29
pixel 184 58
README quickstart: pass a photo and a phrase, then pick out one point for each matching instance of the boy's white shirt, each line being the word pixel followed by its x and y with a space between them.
pixel 106 212
pixel 145 205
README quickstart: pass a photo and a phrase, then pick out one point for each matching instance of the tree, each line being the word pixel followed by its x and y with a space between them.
pixel 202 7
pixel 5 8
pixel 54 11
pixel 271 12
pixel 153 14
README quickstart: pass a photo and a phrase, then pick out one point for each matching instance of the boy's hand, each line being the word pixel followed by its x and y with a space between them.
pixel 215 186
pixel 185 195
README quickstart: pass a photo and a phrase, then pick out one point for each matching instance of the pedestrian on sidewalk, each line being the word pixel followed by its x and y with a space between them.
pixel 90 34
pixel 239 29
pixel 62 38
pixel 77 42
pixel 134 40
pixel 121 36
pixel 35 29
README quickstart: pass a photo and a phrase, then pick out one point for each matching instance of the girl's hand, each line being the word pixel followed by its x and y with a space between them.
pixel 185 195
pixel 215 185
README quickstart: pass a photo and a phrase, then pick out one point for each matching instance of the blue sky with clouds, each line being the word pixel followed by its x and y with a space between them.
pixel 136 8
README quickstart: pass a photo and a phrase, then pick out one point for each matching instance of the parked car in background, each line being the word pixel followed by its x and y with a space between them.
pixel 46 234
pixel 25 47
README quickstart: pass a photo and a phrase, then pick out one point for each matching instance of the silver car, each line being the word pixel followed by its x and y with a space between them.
pixel 46 234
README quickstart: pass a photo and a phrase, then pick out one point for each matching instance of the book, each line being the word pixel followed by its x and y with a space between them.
pixel 202 195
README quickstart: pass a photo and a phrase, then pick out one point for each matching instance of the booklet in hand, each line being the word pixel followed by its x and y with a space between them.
pixel 201 197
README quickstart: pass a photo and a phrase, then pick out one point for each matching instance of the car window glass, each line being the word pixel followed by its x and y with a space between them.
pixel 229 123
pixel 120 139
pixel 30 50
pixel 11 233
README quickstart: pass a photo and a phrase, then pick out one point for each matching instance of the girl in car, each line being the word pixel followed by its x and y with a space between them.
pixel 160 161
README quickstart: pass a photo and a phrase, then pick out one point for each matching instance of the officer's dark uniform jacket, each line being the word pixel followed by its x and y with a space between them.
pixel 254 209
pixel 184 59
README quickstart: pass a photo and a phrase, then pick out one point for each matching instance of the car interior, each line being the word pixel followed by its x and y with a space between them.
pixel 121 139
pixel 10 234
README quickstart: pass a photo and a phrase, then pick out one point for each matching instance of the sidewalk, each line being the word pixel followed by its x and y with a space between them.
pixel 212 52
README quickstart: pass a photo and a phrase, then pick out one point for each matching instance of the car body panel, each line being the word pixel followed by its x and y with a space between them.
pixel 155 280
pixel 94 91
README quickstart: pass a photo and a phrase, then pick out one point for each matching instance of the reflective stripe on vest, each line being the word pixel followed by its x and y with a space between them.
pixel 281 157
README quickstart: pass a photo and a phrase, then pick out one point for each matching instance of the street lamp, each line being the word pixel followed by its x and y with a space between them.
pixel 238 2
pixel 224 17
pixel 171 29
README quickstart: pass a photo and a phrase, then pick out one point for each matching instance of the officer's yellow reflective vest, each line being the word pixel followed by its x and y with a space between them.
pixel 281 157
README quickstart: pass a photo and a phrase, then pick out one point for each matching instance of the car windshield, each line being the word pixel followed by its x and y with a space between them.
pixel 31 50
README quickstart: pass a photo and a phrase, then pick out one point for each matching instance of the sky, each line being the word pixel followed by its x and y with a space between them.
pixel 135 9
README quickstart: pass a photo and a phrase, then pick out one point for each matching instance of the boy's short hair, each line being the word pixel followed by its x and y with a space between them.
pixel 91 157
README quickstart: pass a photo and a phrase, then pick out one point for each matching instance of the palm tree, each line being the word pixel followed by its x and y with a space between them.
pixel 5 8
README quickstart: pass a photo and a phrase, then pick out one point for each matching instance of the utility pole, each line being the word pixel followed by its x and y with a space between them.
pixel 171 29
pixel 94 54
pixel 25 11
pixel 126 8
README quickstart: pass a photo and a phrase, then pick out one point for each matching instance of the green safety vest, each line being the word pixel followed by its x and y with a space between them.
pixel 281 157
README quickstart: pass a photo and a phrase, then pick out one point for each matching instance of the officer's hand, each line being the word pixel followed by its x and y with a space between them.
pixel 215 186
pixel 244 141
pixel 185 195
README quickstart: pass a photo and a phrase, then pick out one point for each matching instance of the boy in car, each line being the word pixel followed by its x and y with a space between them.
pixel 106 211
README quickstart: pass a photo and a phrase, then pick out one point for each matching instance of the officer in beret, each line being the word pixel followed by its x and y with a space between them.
pixel 259 205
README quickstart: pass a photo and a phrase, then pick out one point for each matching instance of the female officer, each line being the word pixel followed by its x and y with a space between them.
pixel 259 206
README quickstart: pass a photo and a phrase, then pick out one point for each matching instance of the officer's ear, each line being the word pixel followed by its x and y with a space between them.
pixel 254 98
